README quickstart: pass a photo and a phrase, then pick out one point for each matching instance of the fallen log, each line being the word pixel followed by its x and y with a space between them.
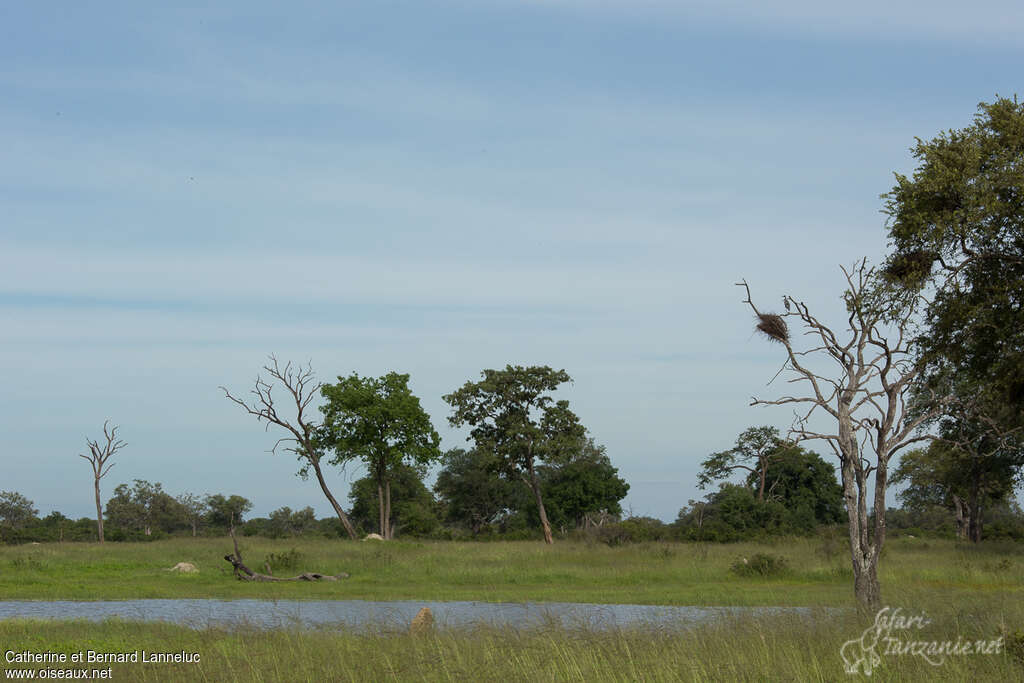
pixel 243 573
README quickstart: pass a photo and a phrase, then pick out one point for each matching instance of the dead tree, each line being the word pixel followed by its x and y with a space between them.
pixel 865 395
pixel 243 573
pixel 98 457
pixel 301 386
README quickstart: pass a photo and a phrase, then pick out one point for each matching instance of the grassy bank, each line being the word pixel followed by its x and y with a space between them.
pixel 670 574
pixel 777 648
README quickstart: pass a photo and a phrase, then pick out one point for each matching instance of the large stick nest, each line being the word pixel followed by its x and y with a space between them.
pixel 773 326
pixel 910 267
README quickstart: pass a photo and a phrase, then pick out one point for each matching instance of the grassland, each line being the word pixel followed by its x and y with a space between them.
pixel 666 574
pixel 968 593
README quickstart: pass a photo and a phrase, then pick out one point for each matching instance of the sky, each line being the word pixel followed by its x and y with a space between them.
pixel 437 188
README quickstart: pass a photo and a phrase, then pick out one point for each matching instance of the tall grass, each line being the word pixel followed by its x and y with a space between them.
pixel 767 647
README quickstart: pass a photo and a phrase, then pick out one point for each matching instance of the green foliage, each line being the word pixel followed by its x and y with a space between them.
pixel 16 510
pixel 413 513
pixel 584 482
pixel 194 508
pixel 381 422
pixel 472 492
pixel 226 511
pixel 958 224
pixel 807 487
pixel 283 522
pixel 510 415
pixel 145 508
pixel 761 564
pixel 801 493
pixel 755 450
pixel 287 559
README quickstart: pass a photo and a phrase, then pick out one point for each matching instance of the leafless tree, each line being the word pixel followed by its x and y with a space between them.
pixel 98 457
pixel 865 395
pixel 300 384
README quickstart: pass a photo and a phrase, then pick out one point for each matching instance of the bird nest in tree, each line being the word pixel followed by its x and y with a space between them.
pixel 773 326
pixel 910 266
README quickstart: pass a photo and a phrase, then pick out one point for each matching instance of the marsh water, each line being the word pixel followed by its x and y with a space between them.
pixel 392 614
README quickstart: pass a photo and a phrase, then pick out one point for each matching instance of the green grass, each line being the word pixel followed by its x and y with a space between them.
pixel 775 648
pixel 669 574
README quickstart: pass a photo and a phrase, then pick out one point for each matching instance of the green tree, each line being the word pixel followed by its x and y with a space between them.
pixel 378 420
pixel 194 509
pixel 145 507
pixel 584 484
pixel 802 480
pixel 755 450
pixel 16 510
pixel 286 522
pixel 227 511
pixel 472 491
pixel 957 234
pixel 958 225
pixel 414 512
pixel 967 481
pixel 511 415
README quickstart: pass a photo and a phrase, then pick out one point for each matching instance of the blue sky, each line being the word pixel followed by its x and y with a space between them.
pixel 438 188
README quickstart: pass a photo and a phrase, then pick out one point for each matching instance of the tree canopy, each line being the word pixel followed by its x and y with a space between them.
pixel 472 493
pixel 378 420
pixel 510 414
pixel 755 450
pixel 957 225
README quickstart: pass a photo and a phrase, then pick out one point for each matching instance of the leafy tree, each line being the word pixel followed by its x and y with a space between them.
pixel 414 512
pixel 957 225
pixel 227 511
pixel 966 482
pixel 381 422
pixel 756 448
pixel 510 414
pixel 472 492
pixel 802 480
pixel 585 483
pixel 144 507
pixel 194 508
pixel 285 522
pixel 16 510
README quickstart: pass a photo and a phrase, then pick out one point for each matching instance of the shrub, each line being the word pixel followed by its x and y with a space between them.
pixel 288 559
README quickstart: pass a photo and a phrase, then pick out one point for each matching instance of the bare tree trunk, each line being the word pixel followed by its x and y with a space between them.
pixel 545 525
pixel 974 522
pixel 99 510
pixel 963 516
pixel 334 503
pixel 380 510
pixel 760 489
pixel 387 511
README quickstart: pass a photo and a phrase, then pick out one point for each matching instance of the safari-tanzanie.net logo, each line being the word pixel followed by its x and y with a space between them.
pixel 896 633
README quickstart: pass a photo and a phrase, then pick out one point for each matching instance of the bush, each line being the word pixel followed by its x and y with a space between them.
pixel 761 564
pixel 288 559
